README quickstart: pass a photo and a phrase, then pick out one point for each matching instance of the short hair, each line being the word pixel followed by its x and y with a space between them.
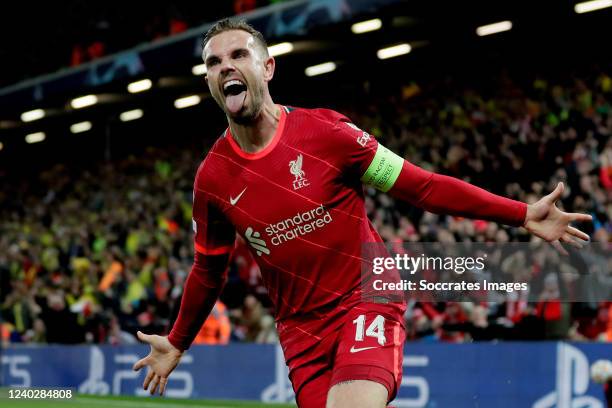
pixel 228 24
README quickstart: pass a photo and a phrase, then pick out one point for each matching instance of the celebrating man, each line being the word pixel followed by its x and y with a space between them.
pixel 289 181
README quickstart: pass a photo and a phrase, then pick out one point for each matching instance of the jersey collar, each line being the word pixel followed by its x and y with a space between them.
pixel 266 150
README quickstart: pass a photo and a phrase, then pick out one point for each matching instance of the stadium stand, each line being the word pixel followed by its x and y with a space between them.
pixel 93 253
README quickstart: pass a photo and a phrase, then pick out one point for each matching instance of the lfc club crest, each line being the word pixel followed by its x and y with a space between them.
pixel 295 168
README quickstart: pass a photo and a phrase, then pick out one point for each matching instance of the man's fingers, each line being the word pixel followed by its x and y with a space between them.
pixel 154 384
pixel 556 194
pixel 148 379
pixel 557 245
pixel 147 338
pixel 162 385
pixel 140 363
pixel 577 233
pixel 580 217
pixel 568 239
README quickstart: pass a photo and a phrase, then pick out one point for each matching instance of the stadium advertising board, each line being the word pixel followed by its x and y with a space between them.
pixel 538 375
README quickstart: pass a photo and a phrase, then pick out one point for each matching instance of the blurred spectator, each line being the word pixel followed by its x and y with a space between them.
pixel 117 336
pixel 60 323
pixel 251 320
pixel 20 309
pixel 242 6
pixel 216 329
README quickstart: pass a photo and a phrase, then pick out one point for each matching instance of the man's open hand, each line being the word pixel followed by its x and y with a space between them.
pixel 162 359
pixel 546 221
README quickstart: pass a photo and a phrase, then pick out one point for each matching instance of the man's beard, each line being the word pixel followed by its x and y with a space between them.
pixel 245 119
pixel 247 116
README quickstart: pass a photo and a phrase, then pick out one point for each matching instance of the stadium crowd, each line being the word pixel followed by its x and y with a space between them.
pixel 95 254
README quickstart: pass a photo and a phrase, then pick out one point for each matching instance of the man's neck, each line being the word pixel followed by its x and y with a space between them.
pixel 255 136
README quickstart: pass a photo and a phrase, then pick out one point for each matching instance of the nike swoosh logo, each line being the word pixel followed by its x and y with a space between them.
pixel 233 201
pixel 357 350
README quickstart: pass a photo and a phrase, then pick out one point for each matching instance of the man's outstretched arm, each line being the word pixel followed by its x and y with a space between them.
pixel 447 195
pixel 441 194
pixel 202 288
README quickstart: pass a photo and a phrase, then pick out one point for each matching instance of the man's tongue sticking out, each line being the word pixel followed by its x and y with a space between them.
pixel 235 102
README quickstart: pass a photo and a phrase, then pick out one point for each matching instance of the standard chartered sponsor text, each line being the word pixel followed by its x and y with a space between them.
pixel 298 225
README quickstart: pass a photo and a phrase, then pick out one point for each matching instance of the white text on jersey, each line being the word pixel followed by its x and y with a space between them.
pixel 298 225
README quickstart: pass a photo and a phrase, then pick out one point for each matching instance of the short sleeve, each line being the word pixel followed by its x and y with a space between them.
pixel 214 234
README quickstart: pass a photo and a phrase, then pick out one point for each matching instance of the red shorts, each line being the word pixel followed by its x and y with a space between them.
pixel 368 345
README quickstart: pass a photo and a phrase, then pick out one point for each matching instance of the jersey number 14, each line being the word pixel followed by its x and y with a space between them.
pixel 376 329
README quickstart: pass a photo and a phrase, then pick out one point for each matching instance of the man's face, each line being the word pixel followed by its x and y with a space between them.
pixel 237 74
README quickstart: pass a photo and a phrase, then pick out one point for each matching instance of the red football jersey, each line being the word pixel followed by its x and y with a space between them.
pixel 299 205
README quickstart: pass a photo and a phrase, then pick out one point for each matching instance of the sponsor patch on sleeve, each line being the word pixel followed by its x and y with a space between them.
pixel 363 137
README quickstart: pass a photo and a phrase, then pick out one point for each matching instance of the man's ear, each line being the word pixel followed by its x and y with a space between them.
pixel 206 78
pixel 269 66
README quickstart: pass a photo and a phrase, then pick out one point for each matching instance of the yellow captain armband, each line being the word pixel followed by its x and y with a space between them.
pixel 384 169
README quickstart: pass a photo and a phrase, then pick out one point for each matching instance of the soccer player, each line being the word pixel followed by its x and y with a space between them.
pixel 289 181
